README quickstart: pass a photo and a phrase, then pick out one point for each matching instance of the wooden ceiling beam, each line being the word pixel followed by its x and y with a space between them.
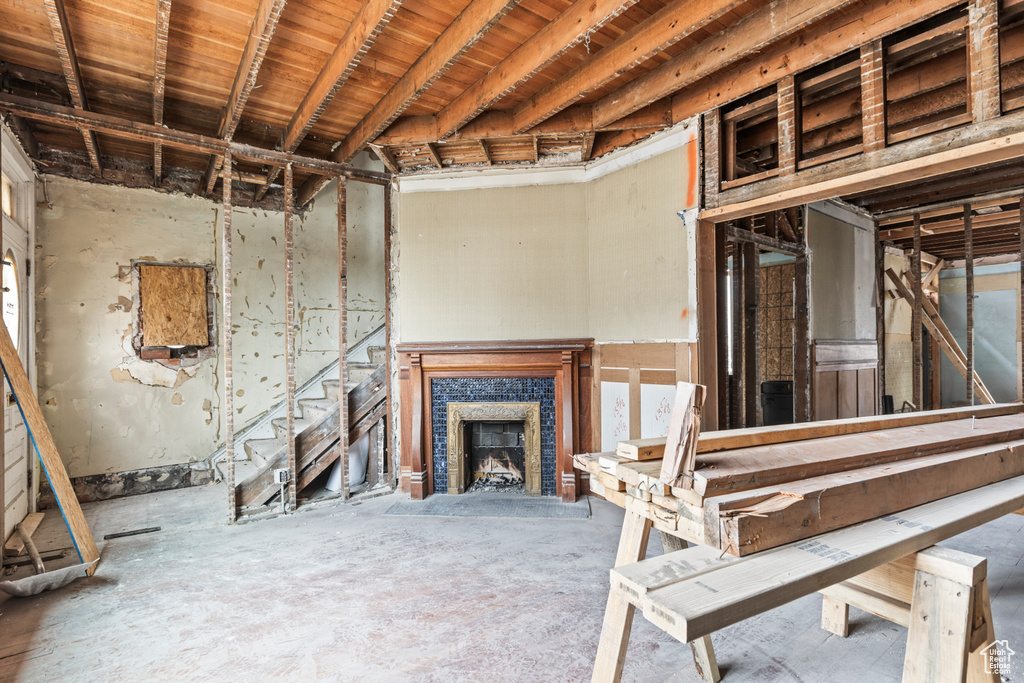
pixel 550 42
pixel 146 132
pixel 669 25
pixel 486 152
pixel 768 25
pixel 163 20
pixel 823 41
pixel 58 17
pixel 432 148
pixel 386 158
pixel 361 34
pixel 991 199
pixel 574 120
pixel 260 34
pixel 463 33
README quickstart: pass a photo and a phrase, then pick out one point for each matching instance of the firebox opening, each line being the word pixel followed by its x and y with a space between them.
pixel 496 454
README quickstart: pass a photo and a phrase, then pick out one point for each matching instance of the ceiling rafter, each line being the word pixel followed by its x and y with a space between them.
pixel 570 27
pixel 163 21
pixel 667 26
pixel 361 34
pixel 770 24
pixel 58 115
pixel 58 17
pixel 260 34
pixel 463 33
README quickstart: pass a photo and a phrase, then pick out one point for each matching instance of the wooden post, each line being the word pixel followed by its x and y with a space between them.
pixel 417 473
pixel 343 333
pixel 712 159
pixel 969 268
pixel 879 320
pixel 289 340
pixel 707 326
pixel 872 96
pixel 789 129
pixel 226 324
pixel 722 324
pixel 394 462
pixel 983 59
pixel 801 343
pixel 566 472
pixel 915 323
pixel 1020 298
pixel 736 395
pixel 595 399
pixel 751 290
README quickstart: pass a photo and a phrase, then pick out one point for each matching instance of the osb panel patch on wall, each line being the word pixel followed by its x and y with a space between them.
pixel 173 306
pixel 777 321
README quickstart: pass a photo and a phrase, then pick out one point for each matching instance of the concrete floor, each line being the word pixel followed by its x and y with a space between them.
pixel 346 593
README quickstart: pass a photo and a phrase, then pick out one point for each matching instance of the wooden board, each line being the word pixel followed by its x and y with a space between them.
pixel 711 442
pixel 16 544
pixel 693 607
pixel 752 521
pixel 53 466
pixel 173 300
pixel 641 449
pixel 751 468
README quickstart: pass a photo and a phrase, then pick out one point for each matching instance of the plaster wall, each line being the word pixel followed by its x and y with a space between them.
pixel 606 258
pixel 111 412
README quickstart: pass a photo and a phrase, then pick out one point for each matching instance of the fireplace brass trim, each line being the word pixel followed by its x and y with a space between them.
pixel 458 413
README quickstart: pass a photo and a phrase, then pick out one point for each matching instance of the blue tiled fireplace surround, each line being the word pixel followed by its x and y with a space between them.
pixel 493 390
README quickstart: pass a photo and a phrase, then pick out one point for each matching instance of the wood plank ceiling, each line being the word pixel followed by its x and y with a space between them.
pixel 422 83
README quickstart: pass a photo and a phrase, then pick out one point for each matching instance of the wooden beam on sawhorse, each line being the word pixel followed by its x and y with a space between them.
pixel 618 614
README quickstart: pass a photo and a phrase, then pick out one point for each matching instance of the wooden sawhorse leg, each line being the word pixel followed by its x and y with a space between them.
pixel 941 596
pixel 618 615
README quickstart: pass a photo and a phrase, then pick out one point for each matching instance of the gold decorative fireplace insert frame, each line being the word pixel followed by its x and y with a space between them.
pixel 459 413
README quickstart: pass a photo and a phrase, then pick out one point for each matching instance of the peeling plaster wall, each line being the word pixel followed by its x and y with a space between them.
pixel 104 419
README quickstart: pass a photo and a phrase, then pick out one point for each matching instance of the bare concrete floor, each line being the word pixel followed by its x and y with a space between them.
pixel 346 593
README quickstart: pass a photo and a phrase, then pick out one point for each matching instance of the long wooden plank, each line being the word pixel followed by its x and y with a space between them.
pixel 45 447
pixel 711 442
pixel 641 449
pixel 753 521
pixel 696 607
pixel 758 466
pixel 16 544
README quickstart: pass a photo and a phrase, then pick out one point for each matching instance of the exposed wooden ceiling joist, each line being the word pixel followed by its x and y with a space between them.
pixel 163 21
pixel 567 29
pixel 474 21
pixel 264 24
pixel 58 17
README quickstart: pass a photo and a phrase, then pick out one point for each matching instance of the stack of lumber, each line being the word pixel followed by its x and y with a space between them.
pixel 755 489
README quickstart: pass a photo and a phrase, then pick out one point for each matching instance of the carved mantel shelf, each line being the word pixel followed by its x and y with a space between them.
pixel 565 361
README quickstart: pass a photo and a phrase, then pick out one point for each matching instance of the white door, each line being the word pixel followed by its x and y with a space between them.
pixel 17 293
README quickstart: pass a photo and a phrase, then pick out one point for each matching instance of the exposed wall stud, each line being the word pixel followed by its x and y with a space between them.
pixel 969 275
pixel 915 323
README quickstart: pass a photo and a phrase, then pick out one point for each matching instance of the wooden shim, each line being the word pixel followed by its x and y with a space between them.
pixel 16 544
pixel 641 449
pixel 173 300
pixel 45 447
pixel 683 431
pixel 760 466
pixel 757 520
pixel 694 607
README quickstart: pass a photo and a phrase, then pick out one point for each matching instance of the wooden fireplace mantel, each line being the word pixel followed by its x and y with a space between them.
pixel 567 361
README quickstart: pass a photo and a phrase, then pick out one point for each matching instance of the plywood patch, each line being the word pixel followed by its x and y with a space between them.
pixel 173 306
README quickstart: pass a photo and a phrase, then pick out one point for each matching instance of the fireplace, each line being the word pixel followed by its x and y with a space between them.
pixel 501 457
pixel 553 375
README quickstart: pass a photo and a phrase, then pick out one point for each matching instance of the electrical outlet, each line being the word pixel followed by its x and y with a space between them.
pixel 281 476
